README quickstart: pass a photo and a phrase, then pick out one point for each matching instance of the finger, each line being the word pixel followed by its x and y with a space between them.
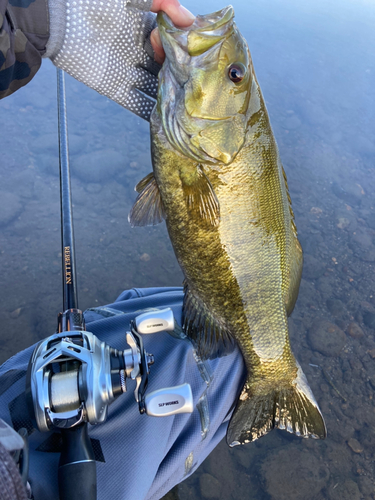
pixel 179 15
pixel 159 54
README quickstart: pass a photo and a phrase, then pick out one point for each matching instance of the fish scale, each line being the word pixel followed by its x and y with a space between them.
pixel 219 183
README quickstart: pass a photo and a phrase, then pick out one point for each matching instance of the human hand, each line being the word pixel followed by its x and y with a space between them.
pixel 179 15
pixel 108 47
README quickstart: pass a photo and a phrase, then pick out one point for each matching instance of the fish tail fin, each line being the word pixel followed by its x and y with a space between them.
pixel 293 409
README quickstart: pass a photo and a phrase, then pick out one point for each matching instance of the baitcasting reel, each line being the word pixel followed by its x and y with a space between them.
pixel 73 376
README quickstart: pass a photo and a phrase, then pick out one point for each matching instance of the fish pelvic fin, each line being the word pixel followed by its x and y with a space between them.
pixel 148 208
pixel 210 339
pixel 293 409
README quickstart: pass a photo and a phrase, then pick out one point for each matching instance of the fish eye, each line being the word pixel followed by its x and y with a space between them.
pixel 236 72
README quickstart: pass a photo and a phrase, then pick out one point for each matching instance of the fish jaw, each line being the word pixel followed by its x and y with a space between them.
pixel 200 106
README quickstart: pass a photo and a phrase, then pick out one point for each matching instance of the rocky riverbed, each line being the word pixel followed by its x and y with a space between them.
pixel 324 124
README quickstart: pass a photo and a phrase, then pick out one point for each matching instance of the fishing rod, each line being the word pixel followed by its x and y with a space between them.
pixel 73 376
pixel 77 467
pixel 71 318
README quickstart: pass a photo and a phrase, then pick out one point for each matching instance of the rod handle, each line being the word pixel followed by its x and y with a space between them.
pixel 77 467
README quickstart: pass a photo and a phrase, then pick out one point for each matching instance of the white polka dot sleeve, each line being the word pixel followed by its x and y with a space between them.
pixel 105 44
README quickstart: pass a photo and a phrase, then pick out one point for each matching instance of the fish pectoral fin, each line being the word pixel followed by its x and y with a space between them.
pixel 293 409
pixel 200 197
pixel 148 208
pixel 210 339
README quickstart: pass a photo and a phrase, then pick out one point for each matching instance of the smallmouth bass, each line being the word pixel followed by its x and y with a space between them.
pixel 219 183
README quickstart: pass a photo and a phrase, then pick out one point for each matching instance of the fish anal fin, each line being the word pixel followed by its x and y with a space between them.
pixel 210 339
pixel 293 409
pixel 295 274
pixel 148 207
pixel 201 200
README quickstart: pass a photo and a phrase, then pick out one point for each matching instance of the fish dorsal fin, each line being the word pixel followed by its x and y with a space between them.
pixel 148 207
pixel 211 339
pixel 201 198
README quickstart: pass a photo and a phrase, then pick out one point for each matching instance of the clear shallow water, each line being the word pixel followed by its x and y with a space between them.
pixel 315 65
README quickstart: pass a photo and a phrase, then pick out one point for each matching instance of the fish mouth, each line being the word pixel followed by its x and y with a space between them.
pixel 205 32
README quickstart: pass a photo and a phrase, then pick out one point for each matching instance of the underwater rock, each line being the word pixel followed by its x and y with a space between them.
pixel 335 307
pixel 291 122
pixel 365 485
pixel 98 167
pixel 369 319
pixel 326 338
pixel 355 331
pixel 145 257
pixel 49 143
pixel 355 445
pixel 360 241
pixel 347 490
pixel 10 207
pixel 349 192
pixel 16 313
pixel 210 487
pixel 93 188
pixel 293 474
pixel 312 267
pixel 369 256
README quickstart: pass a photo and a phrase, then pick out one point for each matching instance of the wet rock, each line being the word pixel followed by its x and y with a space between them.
pixel 372 382
pixel 355 331
pixel 355 445
pixel 324 285
pixel 360 242
pixel 48 163
pixel 45 143
pixel 326 338
pixel 292 123
pixel 365 485
pixel 369 319
pixel 98 167
pixel 209 486
pixel 49 144
pixel 312 267
pixel 343 223
pixel 347 490
pixel 365 146
pixel 77 144
pixel 93 187
pixel 369 256
pixel 244 457
pixel 10 207
pixel 335 307
pixel 185 490
pixel 345 219
pixel 349 192
pixel 292 474
pixel 14 314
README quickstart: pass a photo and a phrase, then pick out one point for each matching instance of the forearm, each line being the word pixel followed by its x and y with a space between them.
pixel 24 33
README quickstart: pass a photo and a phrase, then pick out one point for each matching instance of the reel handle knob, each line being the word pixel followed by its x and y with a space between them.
pixel 169 401
pixel 161 320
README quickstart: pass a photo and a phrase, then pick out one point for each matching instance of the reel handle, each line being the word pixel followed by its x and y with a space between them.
pixel 77 467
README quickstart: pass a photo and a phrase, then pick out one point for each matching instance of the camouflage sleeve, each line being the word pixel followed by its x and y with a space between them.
pixel 24 32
